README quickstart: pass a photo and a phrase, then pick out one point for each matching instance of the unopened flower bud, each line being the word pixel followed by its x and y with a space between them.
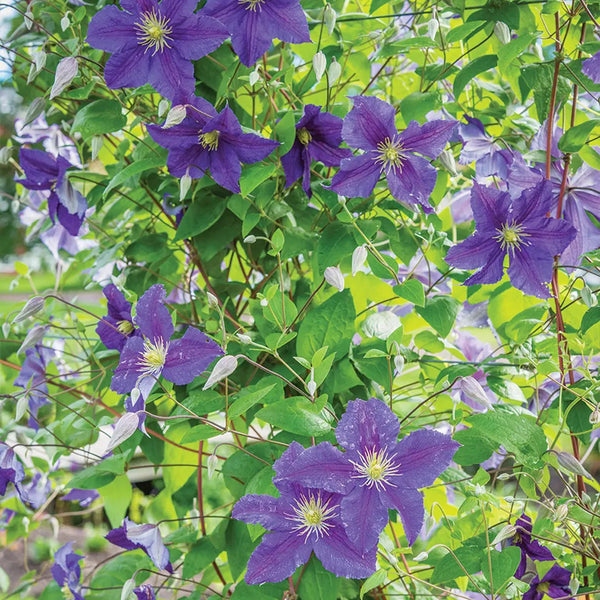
pixel 329 17
pixel 254 77
pixel 176 115
pixel 97 143
pixel 335 70
pixel 163 106
pixel 135 394
pixel 505 533
pixel 448 162
pixel 5 329
pixel 213 302
pixel 333 276
pixel 561 512
pixel 65 22
pixel 359 256
pixel 5 154
pixel 32 307
pixel 264 302
pixel 399 364
pixel 421 556
pixel 34 336
pixel 125 427
pixel 473 390
pixel 589 299
pixel 319 65
pixel 502 32
pixel 569 463
pixel 127 589
pixel 184 186
pixel 245 339
pixel 432 28
pixel 595 416
pixel 28 17
pixel 250 239
pixel 66 71
pixel 225 366
pixel 211 465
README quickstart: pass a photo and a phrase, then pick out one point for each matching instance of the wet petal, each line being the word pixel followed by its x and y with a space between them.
pixel 370 122
pixel 152 316
pixel 530 271
pixel 264 510
pixel 364 517
pixel 409 504
pixel 129 68
pixel 357 177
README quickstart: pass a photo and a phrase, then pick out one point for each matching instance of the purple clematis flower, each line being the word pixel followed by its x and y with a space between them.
pixel 376 472
pixel 154 43
pixel 531 549
pixel 45 172
pixel 32 378
pixel 302 520
pixel 318 137
pixel 253 24
pixel 83 497
pixel 145 357
pixel 483 150
pixel 11 470
pixel 117 327
pixel 370 126
pixel 144 592
pixel 518 228
pixel 591 67
pixel 35 493
pixel 554 584
pixel 66 570
pixel 132 536
pixel 207 140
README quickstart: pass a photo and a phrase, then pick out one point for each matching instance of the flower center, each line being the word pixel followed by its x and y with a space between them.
pixel 154 356
pixel 543 587
pixel 390 154
pixel 375 468
pixel 209 140
pixel 67 593
pixel 154 31
pixel 311 515
pixel 252 5
pixel 304 136
pixel 511 236
pixel 125 327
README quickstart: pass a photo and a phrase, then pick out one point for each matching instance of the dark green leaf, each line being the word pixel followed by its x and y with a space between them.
pixel 102 116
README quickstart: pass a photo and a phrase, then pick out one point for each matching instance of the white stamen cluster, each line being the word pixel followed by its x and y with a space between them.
pixel 154 31
pixel 154 356
pixel 375 468
pixel 311 516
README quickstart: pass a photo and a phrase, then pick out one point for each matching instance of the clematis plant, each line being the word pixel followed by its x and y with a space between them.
pixel 32 378
pixel 530 548
pixel 115 329
pixel 154 42
pixel 147 356
pixel 254 23
pixel 302 520
pixel 402 157
pixel 518 229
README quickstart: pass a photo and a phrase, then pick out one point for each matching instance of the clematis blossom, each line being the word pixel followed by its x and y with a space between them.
pixel 302 520
pixel 318 137
pixel 376 472
pixel 83 497
pixel 147 356
pixel 144 592
pixel 529 547
pixel 253 24
pixel 206 140
pixel 154 42
pixel 46 172
pixel 67 571
pixel 132 536
pixel 117 326
pixel 554 584
pixel 401 157
pixel 518 228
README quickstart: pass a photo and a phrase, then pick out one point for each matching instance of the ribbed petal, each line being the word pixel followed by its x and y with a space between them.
pixel 152 316
pixel 129 369
pixel 490 208
pixel 472 253
pixel 128 68
pixel 422 456
pixel 198 35
pixel 171 74
pixel 357 177
pixel 364 517
pixel 250 37
pixel 534 202
pixel 587 238
pixel 193 160
pixel 252 148
pixel 292 163
pixel 265 510
pixel 176 9
pixel 108 332
pixel 225 167
pixel 584 189
pixel 530 271
pixel 414 182
pixel 591 67
pixel 428 139
pixel 492 271
pixel 338 555
pixel 370 122
pixel 330 156
pixel 521 176
pixel 286 21
pixel 277 557
pixel 409 504
pixel 549 234
pixel 41 169
pixel 112 30
pixel 367 425
pixel 184 135
pixel 189 356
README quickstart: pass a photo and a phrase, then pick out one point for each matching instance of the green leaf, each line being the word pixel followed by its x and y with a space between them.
pixel 285 132
pixel 466 559
pixel 99 475
pixel 329 324
pixel 102 116
pixel 200 433
pixel 115 573
pixel 508 53
pixel 440 312
pixel 117 496
pixel 415 106
pixel 203 213
pixel 504 565
pixel 590 318
pixel 575 137
pixel 199 556
pixel 506 389
pixel 139 166
pixel 296 415
pixel 402 46
pixel 254 175
pixel 335 244
pixel 261 392
pixel 318 583
pixel 411 290
pixel 471 70
pixel 372 582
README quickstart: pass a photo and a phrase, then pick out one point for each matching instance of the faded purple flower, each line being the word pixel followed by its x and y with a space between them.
pixel 554 584
pixel 376 472
pixel 370 126
pixel 483 150
pixel 591 67
pixel 35 493
pixel 302 520
pixel 530 548
pixel 154 43
pixel 146 357
pixel 207 140
pixel 117 327
pixel 132 536
pixel 519 228
pixel 45 172
pixel 83 497
pixel 11 469
pixel 253 24
pixel 32 378
pixel 318 137
pixel 66 570
pixel 144 592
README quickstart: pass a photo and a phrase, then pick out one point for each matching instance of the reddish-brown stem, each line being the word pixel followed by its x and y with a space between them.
pixel 200 495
